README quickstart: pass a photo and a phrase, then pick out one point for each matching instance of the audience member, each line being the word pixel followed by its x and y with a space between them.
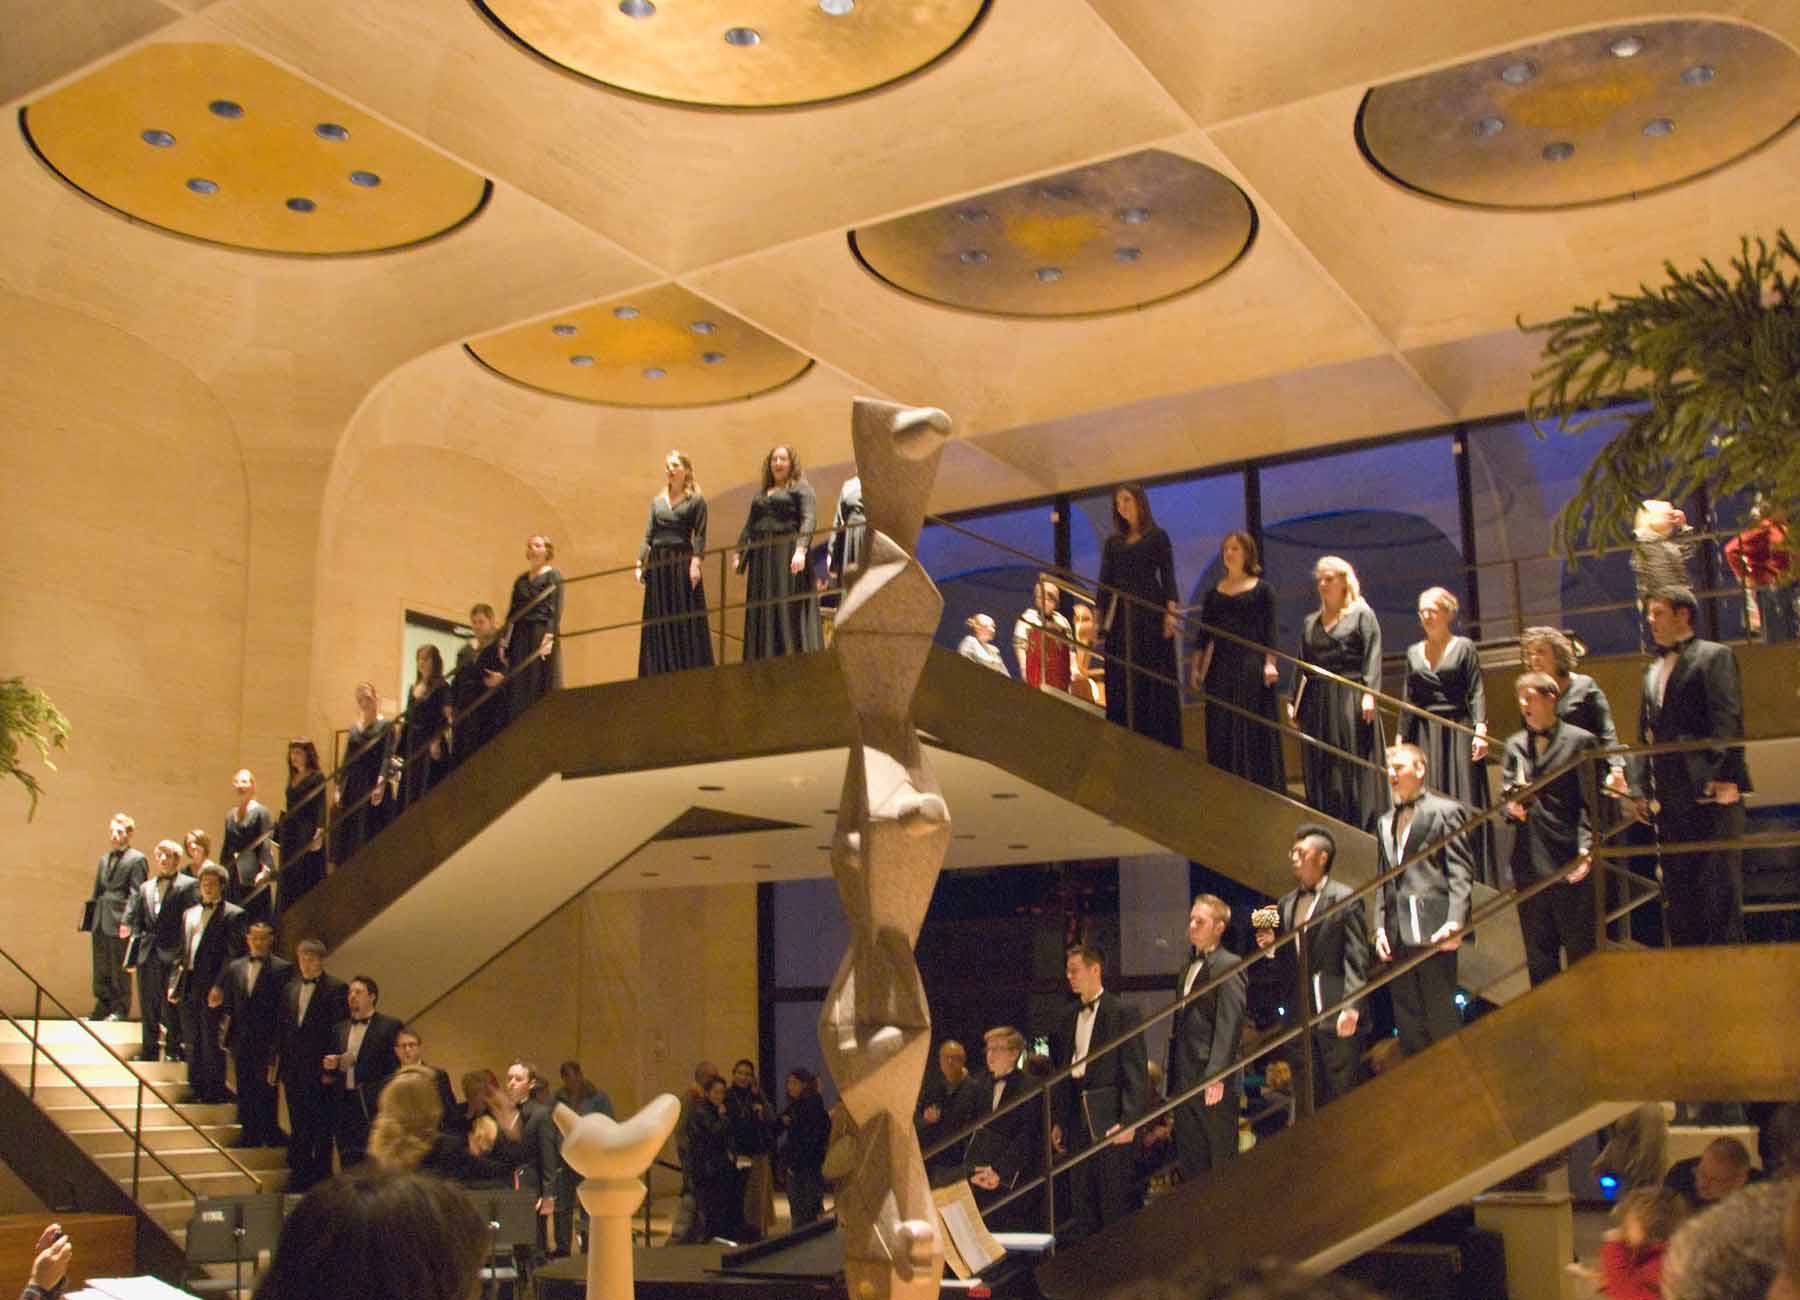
pixel 477 699
pixel 1786 1285
pixel 360 1060
pixel 979 644
pixel 781 614
pixel 362 781
pixel 1720 1169
pixel 687 1225
pixel 806 1131
pixel 1041 638
pixel 1140 600
pixel 849 527
pixel 710 1170
pixel 1631 1256
pixel 950 1102
pixel 1554 829
pixel 300 835
pixel 50 1265
pixel 542 1143
pixel 425 754
pixel 1733 1251
pixel 409 1049
pixel 584 1098
pixel 1237 676
pixel 1337 961
pixel 1760 558
pixel 212 933
pixel 247 850
pixel 753 1127
pixel 154 917
pixel 1443 677
pixel 407 1133
pixel 249 992
pixel 311 1007
pixel 999 1154
pixel 121 870
pixel 1637 1148
pixel 1661 550
pixel 1104 1094
pixel 1426 906
pixel 1691 692
pixel 1203 1043
pixel 1087 669
pixel 674 634
pixel 1580 700
pixel 1342 636
pixel 533 620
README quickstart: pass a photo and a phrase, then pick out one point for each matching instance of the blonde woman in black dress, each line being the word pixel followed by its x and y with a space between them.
pixel 782 613
pixel 1343 637
pixel 674 635
pixel 533 620
pixel 1443 677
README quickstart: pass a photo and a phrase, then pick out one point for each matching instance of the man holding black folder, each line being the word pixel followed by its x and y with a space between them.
pixel 1103 1095
pixel 122 869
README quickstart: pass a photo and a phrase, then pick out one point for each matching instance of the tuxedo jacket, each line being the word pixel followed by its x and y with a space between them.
pixel 1414 905
pixel 115 879
pixel 1337 949
pixel 1556 829
pixel 1124 1068
pixel 541 1163
pixel 221 937
pixel 158 925
pixel 1204 1037
pixel 302 1045
pixel 1702 700
pixel 254 1012
pixel 376 1061
pixel 1010 1142
pixel 959 1107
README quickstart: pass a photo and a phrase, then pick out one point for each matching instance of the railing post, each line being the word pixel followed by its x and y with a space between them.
pixel 137 1139
pixel 724 569
pixel 1515 592
pixel 1049 1166
pixel 37 1030
pixel 1304 1082
pixel 1591 802
pixel 1124 607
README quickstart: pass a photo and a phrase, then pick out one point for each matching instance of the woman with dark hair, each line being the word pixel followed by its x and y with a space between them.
pixel 1443 677
pixel 371 1235
pixel 1239 675
pixel 362 807
pixel 1137 570
pixel 781 616
pixel 299 835
pixel 426 756
pixel 674 635
pixel 532 620
pixel 754 1126
pixel 709 1163
pixel 1582 703
pixel 1342 636
pixel 806 1133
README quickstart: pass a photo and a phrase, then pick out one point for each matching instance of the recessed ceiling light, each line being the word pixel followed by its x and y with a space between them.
pixel 712 358
pixel 655 372
pixel 963 835
pixel 649 875
pixel 972 215
pixel 200 185
pixel 1698 75
pixel 1627 47
pixel 1490 125
pixel 1127 254
pixel 1657 127
pixel 301 205
pixel 837 8
pixel 636 8
pixel 564 331
pixel 711 789
pixel 1018 846
pixel 367 180
pixel 823 848
pixel 331 131
pixel 1048 274
pixel 1062 193
pixel 973 256
pixel 1135 216
pixel 225 108
pixel 630 313
pixel 703 857
pixel 581 359
pixel 743 37
pixel 830 812
pixel 1006 794
pixel 1557 150
pixel 161 139
pixel 1517 74
pixel 702 327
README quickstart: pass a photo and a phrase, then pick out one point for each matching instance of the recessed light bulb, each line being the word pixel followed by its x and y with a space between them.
pixel 1557 150
pixel 626 313
pixel 1517 74
pixel 1490 125
pixel 743 37
pixel 1048 274
pixel 1627 47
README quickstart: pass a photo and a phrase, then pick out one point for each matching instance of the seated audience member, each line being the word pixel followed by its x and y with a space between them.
pixel 806 1131
pixel 949 1103
pixel 1787 1283
pixel 1637 1149
pixel 361 1059
pixel 1631 1256
pixel 409 1049
pixel 371 1235
pixel 1731 1252
pixel 979 644
pixel 1041 639
pixel 1718 1171
pixel 1087 667
pixel 999 1156
pixel 709 1164
pixel 50 1266
pixel 407 1134
pixel 247 851
pixel 154 917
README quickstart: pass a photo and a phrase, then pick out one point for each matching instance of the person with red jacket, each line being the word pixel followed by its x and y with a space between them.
pixel 1631 1255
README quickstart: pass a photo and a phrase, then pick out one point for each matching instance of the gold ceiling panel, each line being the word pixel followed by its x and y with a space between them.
pixel 213 142
pixel 1110 237
pixel 748 54
pixel 664 347
pixel 1603 114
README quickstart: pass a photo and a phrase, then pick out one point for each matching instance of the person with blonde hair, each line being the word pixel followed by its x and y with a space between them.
pixel 674 634
pixel 1443 677
pixel 1343 637
pixel 407 1133
pixel 979 644
pixel 530 648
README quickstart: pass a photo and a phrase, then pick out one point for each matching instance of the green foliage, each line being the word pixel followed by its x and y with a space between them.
pixel 1716 357
pixel 27 714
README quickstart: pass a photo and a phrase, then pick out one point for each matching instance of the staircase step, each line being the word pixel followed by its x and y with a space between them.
pixel 268 1163
pixel 98 1137
pixel 91 1066
pixel 74 1117
pixel 125 1036
pixel 156 1188
pixel 120 1098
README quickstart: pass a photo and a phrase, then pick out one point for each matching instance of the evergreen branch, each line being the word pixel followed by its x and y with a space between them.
pixel 27 714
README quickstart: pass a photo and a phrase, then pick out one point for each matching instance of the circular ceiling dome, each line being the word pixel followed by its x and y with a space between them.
pixel 749 54
pixel 216 143
pixel 1111 237
pixel 664 347
pixel 1602 114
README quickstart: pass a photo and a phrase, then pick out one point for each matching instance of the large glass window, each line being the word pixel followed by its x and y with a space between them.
pixel 1196 513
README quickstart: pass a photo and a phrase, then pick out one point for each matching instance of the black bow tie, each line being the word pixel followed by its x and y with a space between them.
pixel 310 982
pixel 1089 1006
pixel 256 961
pixel 365 1020
pixel 207 907
pixel 1408 803
pixel 1541 735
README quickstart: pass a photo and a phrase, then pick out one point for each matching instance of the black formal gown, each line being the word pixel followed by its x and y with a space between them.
pixel 528 624
pixel 1235 743
pixel 848 528
pixel 1452 691
pixel 302 866
pixel 1143 696
pixel 779 520
pixel 366 754
pixel 424 724
pixel 1332 713
pixel 477 715
pixel 674 535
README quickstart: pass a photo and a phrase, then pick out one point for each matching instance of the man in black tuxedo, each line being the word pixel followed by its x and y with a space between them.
pixel 541 1160
pixel 1427 905
pixel 361 1059
pixel 249 992
pixel 409 1049
pixel 154 918
pixel 212 933
pixel 1204 1040
pixel 311 1007
pixel 950 1102
pixel 1337 962
pixel 999 1156
pixel 122 869
pixel 1102 1097
pixel 1553 829
pixel 1691 692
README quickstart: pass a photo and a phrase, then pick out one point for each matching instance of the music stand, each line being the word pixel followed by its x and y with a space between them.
pixel 512 1218
pixel 229 1229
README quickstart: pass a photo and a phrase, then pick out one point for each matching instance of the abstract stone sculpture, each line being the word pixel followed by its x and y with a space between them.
pixel 612 1157
pixel 892 830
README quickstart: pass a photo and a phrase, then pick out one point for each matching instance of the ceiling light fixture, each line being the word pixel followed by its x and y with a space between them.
pixel 973 256
pixel 301 205
pixel 649 875
pixel 973 216
pixel 1048 274
pixel 710 789
pixel 1557 150
pixel 743 37
pixel 655 372
pixel 1657 127
pixel 1006 794
pixel 1062 193
pixel 564 331
pixel 1627 47
pixel 630 313
pixel 200 185
pixel 703 857
pixel 837 8
pixel 1127 254
pixel 702 327
pixel 637 8
pixel 581 359
pixel 1698 75
pixel 225 108
pixel 1517 74
pixel 1135 216
pixel 1016 847
pixel 365 180
pixel 1490 125
pixel 161 139
pixel 712 358
pixel 331 131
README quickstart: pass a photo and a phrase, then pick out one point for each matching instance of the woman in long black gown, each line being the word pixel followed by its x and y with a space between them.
pixel 668 565
pixel 423 746
pixel 1443 677
pixel 298 835
pixel 362 806
pixel 1235 674
pixel 533 619
pixel 1137 570
pixel 1343 637
pixel 782 613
